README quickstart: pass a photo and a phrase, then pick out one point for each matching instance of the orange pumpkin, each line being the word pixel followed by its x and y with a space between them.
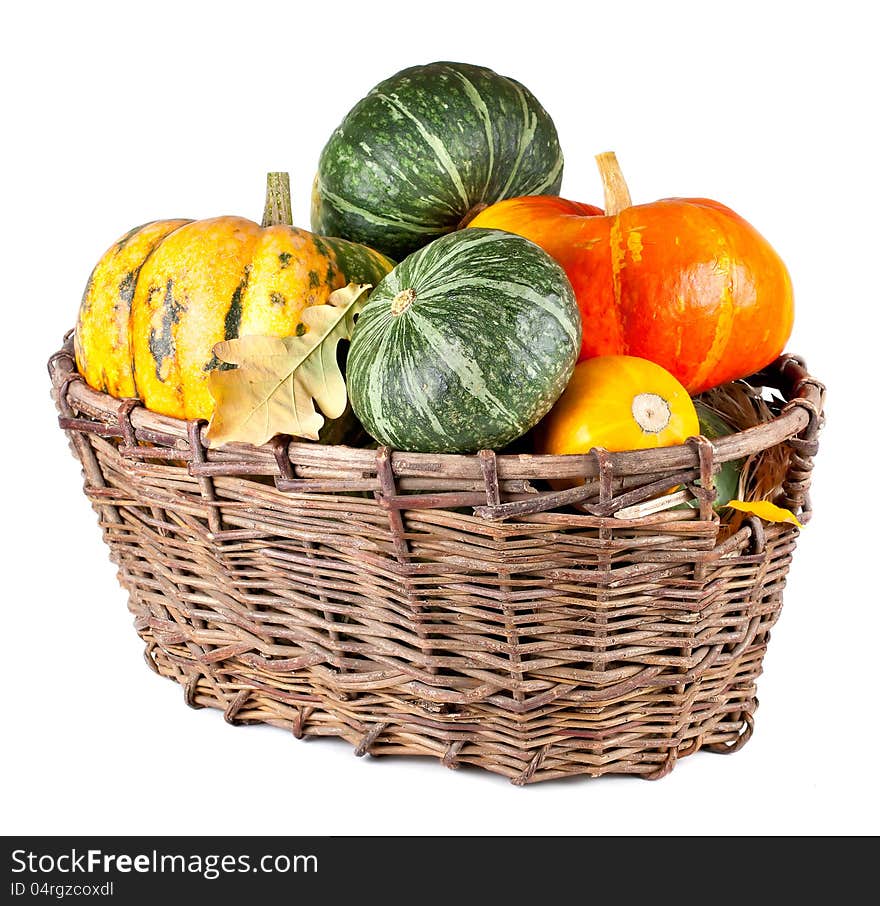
pixel 684 282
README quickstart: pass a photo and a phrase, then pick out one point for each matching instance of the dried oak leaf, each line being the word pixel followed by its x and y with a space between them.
pixel 278 381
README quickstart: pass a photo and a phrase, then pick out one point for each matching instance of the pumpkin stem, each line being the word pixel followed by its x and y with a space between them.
pixel 616 192
pixel 402 301
pixel 278 208
pixel 651 412
pixel 476 209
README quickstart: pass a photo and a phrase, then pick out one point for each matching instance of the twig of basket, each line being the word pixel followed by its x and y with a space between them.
pixel 582 493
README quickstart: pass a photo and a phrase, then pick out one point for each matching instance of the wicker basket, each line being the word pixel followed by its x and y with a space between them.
pixel 453 606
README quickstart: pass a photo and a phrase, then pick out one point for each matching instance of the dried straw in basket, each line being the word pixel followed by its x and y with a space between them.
pixel 743 406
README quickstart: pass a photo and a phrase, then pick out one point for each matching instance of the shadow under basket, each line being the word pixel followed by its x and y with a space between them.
pixel 446 605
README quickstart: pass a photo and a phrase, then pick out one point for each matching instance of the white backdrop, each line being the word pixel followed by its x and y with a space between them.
pixel 120 113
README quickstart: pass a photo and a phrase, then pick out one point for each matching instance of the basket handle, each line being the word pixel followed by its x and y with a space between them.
pixel 806 393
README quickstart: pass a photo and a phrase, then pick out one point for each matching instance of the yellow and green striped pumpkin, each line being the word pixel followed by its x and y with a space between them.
pixel 165 293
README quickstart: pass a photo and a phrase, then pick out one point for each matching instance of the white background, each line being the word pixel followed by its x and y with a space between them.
pixel 121 113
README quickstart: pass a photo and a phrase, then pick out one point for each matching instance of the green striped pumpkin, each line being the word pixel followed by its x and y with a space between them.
pixel 465 345
pixel 427 149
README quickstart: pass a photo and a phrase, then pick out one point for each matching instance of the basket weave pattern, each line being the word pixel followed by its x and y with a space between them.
pixel 442 605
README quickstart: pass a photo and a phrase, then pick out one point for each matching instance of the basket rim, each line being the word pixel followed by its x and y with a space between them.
pixel 800 418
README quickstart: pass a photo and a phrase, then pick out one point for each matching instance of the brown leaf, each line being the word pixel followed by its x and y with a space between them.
pixel 279 381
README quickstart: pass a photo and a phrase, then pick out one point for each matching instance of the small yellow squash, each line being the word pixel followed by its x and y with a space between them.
pixel 618 402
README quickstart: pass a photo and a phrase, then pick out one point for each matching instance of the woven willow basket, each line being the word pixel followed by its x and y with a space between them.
pixel 453 606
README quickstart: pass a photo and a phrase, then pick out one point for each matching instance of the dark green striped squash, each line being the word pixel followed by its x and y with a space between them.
pixel 165 293
pixel 426 150
pixel 465 345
